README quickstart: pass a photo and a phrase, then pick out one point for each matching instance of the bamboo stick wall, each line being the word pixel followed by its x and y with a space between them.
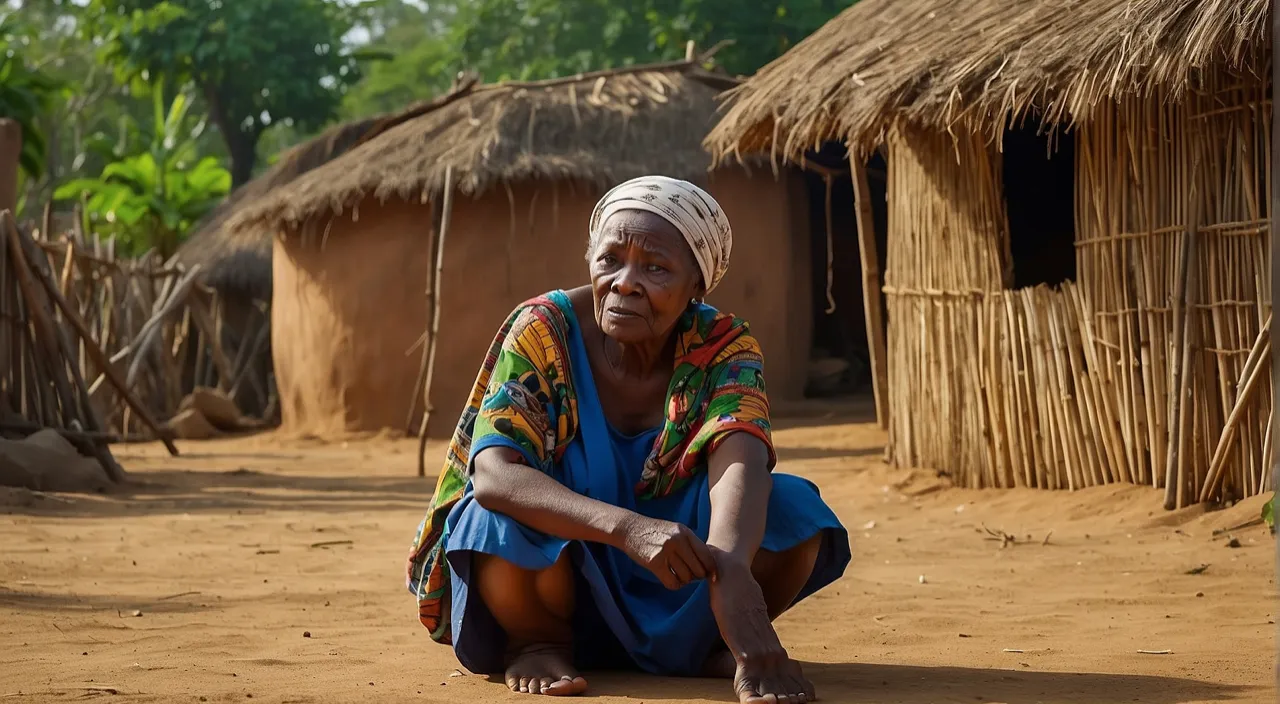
pixel 1153 368
pixel 948 245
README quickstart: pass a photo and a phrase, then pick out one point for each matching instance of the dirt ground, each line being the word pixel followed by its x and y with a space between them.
pixel 270 568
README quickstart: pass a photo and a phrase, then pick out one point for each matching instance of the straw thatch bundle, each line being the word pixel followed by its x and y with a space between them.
pixel 976 64
pixel 241 267
pixel 595 128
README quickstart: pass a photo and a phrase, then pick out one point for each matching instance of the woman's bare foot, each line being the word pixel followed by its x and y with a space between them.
pixel 763 672
pixel 544 669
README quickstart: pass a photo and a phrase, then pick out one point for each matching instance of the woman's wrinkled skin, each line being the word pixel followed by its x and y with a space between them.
pixel 643 276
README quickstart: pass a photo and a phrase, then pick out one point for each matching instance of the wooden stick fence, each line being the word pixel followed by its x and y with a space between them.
pixel 157 329
pixel 40 384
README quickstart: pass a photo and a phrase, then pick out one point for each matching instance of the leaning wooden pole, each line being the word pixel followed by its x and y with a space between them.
pixel 445 212
pixel 872 291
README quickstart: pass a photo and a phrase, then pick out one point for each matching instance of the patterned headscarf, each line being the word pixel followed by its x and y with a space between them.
pixel 690 209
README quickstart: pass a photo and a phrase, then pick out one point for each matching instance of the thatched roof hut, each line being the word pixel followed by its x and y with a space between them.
pixel 976 65
pixel 1128 138
pixel 526 162
pixel 240 267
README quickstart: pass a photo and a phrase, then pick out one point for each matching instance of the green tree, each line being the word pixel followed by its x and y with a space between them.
pixel 528 39
pixel 152 196
pixel 423 59
pixel 255 63
pixel 757 34
pixel 26 92
pixel 90 108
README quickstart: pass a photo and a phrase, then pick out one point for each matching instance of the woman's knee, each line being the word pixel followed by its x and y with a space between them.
pixel 525 601
pixel 781 575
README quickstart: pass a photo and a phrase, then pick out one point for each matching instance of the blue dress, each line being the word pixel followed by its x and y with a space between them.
pixel 624 617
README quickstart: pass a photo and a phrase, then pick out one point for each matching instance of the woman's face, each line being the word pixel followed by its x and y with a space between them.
pixel 643 276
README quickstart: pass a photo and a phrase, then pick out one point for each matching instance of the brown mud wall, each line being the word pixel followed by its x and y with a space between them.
pixel 344 316
pixel 344 313
pixel 768 279
pixel 502 249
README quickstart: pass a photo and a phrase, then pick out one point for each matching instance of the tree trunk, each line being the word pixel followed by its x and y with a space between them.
pixel 244 155
pixel 241 146
pixel 10 149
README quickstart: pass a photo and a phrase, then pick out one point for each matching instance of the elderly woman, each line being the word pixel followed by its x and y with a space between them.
pixel 607 501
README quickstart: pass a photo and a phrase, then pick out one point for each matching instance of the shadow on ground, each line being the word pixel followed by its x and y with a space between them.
pixel 908 684
pixel 792 454
pixel 157 492
pixel 122 606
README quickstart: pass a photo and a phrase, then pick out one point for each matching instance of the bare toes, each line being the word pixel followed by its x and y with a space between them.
pixel 544 669
pixel 566 687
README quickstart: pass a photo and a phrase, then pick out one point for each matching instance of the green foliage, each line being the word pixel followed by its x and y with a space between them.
pixel 266 74
pixel 758 35
pixel 152 198
pixel 422 58
pixel 26 92
pixel 532 39
pixel 529 39
pixel 1269 513
pixel 256 63
pixel 542 38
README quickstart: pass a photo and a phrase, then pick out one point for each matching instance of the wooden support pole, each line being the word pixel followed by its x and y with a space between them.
pixel 446 211
pixel 872 291
pixel 420 382
pixel 1275 252
pixel 1179 383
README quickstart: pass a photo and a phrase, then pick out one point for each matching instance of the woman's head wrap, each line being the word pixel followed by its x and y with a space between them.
pixel 690 209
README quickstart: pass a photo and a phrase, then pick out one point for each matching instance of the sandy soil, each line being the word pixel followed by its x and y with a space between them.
pixel 203 583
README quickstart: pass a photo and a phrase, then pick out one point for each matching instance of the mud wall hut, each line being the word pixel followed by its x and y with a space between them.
pixel 238 268
pixel 353 259
pixel 1146 361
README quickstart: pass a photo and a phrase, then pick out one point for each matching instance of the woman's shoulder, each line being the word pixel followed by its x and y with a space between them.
pixel 549 313
pixel 707 317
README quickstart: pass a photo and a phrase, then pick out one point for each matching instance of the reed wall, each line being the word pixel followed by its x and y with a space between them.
pixel 1152 368
pixel 947 249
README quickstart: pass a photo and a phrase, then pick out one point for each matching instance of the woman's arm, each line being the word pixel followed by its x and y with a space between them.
pixel 740 486
pixel 503 484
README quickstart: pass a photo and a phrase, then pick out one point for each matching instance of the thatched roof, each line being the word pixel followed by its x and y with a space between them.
pixel 241 265
pixel 980 63
pixel 597 128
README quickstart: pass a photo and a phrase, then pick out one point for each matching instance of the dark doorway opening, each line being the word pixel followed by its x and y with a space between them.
pixel 1039 193
pixel 839 362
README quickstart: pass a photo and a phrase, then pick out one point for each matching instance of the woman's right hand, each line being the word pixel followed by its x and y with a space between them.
pixel 671 551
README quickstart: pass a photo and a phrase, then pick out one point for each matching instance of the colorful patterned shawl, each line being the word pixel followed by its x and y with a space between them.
pixel 524 392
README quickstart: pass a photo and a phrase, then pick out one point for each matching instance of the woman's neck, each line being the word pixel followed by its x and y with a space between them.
pixel 638 360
